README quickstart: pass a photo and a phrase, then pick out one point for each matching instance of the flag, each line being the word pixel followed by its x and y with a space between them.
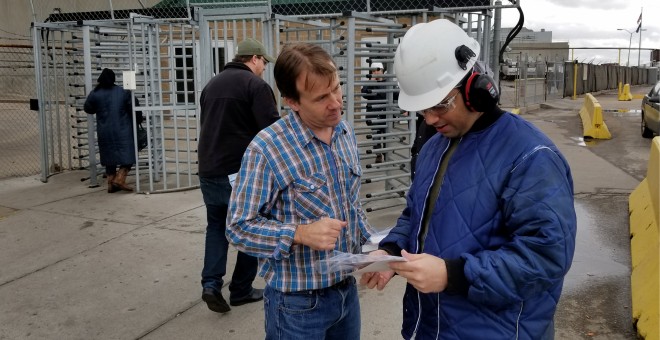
pixel 639 23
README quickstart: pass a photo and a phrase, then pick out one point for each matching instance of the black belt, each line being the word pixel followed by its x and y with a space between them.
pixel 341 285
pixel 345 283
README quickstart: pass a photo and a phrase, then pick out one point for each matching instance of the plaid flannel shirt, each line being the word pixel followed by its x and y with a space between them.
pixel 289 177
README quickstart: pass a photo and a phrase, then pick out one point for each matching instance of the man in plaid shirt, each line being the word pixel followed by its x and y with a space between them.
pixel 296 201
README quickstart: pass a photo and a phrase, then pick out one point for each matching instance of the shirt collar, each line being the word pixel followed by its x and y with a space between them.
pixel 304 135
pixel 487 119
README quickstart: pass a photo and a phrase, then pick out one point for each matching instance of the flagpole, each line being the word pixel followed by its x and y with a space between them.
pixel 639 53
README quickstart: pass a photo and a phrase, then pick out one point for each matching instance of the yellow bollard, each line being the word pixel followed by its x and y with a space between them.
pixel 625 95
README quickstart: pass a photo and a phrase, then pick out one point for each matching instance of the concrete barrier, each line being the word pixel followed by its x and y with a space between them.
pixel 625 95
pixel 644 208
pixel 592 119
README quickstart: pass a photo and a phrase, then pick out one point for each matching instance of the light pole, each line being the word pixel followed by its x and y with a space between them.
pixel 639 53
pixel 629 43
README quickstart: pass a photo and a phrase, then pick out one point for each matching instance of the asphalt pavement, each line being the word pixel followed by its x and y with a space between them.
pixel 79 263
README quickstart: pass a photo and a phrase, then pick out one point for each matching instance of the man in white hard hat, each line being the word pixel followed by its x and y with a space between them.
pixel 376 95
pixel 489 227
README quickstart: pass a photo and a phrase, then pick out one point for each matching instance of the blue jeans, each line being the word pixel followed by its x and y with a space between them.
pixel 329 313
pixel 216 192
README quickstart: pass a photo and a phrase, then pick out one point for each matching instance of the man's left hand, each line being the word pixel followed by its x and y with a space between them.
pixel 427 273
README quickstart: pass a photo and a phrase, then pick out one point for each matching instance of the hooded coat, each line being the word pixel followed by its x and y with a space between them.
pixel 114 120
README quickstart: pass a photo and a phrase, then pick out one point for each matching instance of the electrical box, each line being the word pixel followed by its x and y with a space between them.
pixel 128 79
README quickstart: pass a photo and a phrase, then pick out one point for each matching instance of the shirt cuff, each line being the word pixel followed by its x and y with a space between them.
pixel 457 283
pixel 391 248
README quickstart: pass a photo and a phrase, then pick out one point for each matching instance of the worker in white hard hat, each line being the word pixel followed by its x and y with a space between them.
pixel 377 96
pixel 488 233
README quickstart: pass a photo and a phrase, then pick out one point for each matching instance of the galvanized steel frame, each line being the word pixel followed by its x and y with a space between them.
pixel 169 163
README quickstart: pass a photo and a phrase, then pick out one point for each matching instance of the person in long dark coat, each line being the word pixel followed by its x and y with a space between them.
pixel 114 129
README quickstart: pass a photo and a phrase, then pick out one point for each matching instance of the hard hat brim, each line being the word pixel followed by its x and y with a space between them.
pixel 426 100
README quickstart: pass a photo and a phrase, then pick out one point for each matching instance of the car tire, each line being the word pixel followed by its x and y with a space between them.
pixel 646 132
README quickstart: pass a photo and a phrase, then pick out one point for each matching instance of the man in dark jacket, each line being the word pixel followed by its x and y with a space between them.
pixel 235 105
pixel 488 232
pixel 423 133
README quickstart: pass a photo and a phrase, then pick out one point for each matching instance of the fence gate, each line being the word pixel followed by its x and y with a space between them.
pixel 173 59
pixel 60 84
pixel 69 58
pixel 221 29
pixel 385 134
pixel 163 55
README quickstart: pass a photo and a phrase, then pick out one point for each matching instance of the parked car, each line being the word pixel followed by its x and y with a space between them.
pixel 651 112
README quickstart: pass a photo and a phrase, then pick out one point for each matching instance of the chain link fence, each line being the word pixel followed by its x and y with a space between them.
pixel 474 16
pixel 525 82
pixel 68 11
pixel 19 126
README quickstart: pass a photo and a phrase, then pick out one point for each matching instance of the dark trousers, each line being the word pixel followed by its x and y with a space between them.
pixel 216 192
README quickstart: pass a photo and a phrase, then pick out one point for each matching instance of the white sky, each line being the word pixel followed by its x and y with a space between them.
pixel 593 23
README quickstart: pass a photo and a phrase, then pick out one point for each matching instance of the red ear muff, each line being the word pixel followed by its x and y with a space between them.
pixel 479 92
pixel 467 91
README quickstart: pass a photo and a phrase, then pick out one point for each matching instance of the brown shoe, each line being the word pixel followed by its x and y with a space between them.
pixel 111 186
pixel 120 180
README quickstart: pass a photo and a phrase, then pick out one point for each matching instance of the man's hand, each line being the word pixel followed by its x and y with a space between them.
pixel 427 273
pixel 319 235
pixel 377 279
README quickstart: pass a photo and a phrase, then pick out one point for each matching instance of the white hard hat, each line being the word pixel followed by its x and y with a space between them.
pixel 430 61
pixel 377 65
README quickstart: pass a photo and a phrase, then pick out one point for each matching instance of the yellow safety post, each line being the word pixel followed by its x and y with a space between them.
pixel 625 95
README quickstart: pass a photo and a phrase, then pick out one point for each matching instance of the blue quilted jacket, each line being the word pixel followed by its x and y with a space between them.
pixel 505 216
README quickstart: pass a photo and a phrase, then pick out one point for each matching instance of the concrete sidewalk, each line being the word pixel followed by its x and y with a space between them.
pixel 79 263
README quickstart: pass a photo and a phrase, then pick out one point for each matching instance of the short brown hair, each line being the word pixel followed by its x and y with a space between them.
pixel 242 58
pixel 298 58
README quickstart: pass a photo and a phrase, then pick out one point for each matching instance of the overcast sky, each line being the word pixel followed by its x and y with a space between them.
pixel 593 23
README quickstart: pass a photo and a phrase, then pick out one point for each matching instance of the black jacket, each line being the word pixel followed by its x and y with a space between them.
pixel 235 105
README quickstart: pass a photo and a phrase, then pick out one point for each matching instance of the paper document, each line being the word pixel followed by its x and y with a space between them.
pixel 232 179
pixel 379 266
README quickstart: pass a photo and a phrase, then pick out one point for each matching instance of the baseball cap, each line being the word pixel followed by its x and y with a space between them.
pixel 252 46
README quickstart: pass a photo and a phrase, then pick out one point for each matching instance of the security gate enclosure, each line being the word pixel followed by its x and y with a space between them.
pixel 173 59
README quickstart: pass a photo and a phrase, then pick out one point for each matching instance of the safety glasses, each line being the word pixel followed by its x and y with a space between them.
pixel 442 107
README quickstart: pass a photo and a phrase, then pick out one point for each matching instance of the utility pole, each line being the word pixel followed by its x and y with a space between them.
pixel 639 28
pixel 629 43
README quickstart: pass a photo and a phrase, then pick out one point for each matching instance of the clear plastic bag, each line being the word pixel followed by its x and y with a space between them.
pixel 372 242
pixel 340 261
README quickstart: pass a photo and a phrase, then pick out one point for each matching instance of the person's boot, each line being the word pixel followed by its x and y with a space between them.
pixel 111 185
pixel 120 180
